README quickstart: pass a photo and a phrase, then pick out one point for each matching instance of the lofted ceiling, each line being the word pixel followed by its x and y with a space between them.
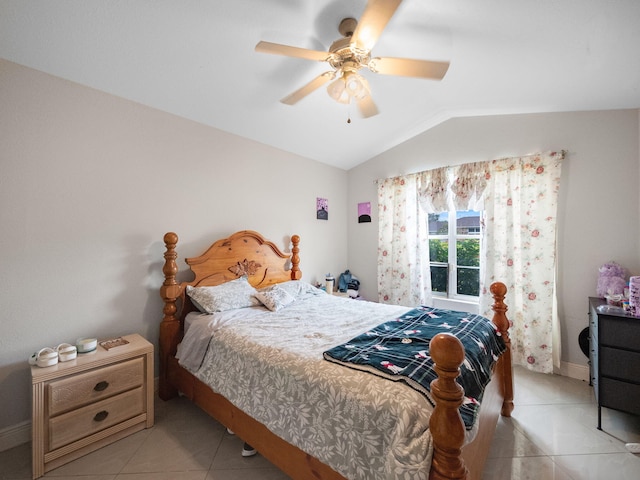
pixel 196 59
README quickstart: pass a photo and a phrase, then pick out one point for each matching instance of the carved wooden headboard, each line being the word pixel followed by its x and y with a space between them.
pixel 243 253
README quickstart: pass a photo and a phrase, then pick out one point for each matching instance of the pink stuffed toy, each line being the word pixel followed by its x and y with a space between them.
pixel 611 280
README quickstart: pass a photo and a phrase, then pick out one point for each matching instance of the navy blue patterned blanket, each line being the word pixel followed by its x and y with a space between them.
pixel 399 350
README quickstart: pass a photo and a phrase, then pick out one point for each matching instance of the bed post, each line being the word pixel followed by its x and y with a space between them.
pixel 446 425
pixel 500 320
pixel 296 274
pixel 170 326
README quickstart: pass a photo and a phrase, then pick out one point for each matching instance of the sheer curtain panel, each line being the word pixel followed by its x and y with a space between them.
pixel 519 249
pixel 403 244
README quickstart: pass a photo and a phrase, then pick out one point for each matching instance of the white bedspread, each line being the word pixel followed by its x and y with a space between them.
pixel 270 365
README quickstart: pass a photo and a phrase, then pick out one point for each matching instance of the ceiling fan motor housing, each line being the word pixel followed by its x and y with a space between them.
pixel 347 27
pixel 342 54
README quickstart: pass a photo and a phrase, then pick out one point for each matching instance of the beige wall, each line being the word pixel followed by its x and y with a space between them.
pixel 599 206
pixel 89 184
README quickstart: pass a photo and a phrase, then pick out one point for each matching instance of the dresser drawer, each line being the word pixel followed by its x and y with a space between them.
pixel 620 364
pixel 93 418
pixel 619 395
pixel 619 332
pixel 94 385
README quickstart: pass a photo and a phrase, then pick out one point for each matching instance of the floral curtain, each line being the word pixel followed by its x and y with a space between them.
pixel 519 249
pixel 469 183
pixel 403 244
pixel 433 190
pixel 519 200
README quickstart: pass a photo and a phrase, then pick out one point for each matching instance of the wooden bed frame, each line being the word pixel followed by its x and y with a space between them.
pixel 247 252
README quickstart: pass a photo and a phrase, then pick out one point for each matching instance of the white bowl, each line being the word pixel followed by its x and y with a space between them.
pixel 86 345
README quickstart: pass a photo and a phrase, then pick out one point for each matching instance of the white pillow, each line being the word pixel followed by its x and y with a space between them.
pixel 299 289
pixel 275 298
pixel 227 296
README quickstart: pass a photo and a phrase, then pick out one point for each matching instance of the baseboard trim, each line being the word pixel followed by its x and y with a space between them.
pixel 574 370
pixel 15 435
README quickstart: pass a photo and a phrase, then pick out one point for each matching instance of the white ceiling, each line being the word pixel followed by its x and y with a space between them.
pixel 196 59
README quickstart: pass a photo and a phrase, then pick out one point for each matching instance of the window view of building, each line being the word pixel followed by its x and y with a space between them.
pixel 454 251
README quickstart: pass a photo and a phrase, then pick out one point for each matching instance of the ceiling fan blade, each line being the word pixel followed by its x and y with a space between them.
pixel 279 49
pixel 375 17
pixel 407 67
pixel 314 84
pixel 367 107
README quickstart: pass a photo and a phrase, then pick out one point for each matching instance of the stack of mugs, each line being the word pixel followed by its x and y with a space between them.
pixel 634 296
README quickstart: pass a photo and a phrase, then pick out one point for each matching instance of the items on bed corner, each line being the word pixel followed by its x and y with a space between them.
pixel 399 350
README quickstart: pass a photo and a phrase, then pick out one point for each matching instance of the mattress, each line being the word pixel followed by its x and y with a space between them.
pixel 271 366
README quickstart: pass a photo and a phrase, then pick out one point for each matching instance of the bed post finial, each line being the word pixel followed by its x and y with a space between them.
pixel 498 291
pixel 296 274
pixel 446 426
pixel 170 326
pixel 500 320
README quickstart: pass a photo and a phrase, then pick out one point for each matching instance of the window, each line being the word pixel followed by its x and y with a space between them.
pixel 454 252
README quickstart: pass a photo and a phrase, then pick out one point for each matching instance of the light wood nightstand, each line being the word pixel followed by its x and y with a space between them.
pixel 87 403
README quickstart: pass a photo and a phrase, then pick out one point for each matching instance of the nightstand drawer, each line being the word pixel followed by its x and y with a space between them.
pixel 620 364
pixel 88 420
pixel 95 385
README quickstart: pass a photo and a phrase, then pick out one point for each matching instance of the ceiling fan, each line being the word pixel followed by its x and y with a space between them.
pixel 351 53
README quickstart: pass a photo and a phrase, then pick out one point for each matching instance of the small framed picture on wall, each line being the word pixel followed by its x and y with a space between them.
pixel 364 212
pixel 322 209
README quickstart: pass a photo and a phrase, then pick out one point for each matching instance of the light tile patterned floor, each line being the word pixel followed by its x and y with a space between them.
pixel 551 435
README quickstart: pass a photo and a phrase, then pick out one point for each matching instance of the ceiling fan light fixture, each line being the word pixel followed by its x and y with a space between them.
pixel 348 86
pixel 356 85
pixel 338 90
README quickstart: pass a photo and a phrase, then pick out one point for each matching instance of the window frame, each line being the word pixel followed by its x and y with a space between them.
pixel 452 237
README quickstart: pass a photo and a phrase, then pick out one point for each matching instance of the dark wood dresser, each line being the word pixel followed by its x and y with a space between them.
pixel 615 359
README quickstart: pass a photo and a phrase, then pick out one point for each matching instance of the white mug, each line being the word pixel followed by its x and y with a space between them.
pixel 329 281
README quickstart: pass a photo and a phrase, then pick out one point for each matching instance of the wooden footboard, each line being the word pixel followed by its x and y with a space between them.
pixel 450 460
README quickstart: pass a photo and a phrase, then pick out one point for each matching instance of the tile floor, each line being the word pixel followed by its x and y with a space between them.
pixel 551 435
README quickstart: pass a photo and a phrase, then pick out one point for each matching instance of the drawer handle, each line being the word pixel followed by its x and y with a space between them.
pixel 100 386
pixel 100 416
